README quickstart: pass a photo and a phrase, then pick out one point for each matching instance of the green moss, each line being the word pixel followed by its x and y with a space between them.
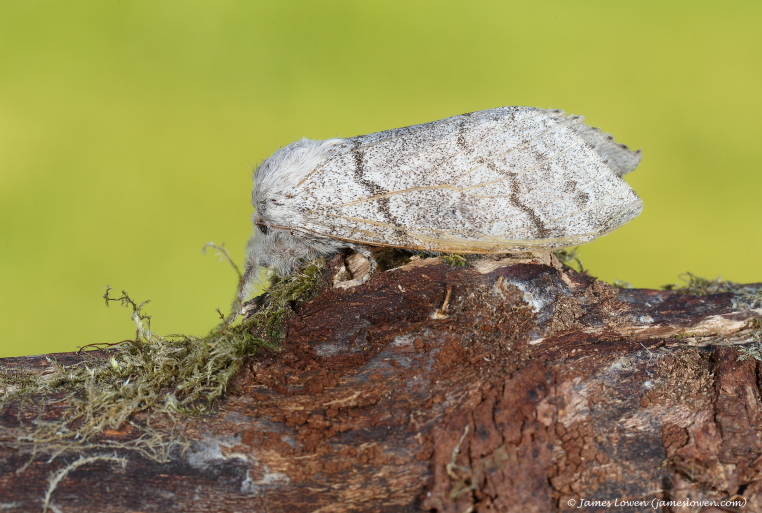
pixel 570 257
pixel 701 286
pixel 745 296
pixel 160 376
pixel 454 259
pixel 267 323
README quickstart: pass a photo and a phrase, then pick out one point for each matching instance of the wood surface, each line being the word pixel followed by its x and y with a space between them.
pixel 485 388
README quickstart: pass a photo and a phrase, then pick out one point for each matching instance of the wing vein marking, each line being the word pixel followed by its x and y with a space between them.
pixel 471 246
pixel 537 113
pixel 597 204
pixel 513 175
pixel 358 219
pixel 509 150
pixel 401 191
pixel 589 207
pixel 482 235
pixel 446 234
pixel 556 199
pixel 453 187
pixel 597 178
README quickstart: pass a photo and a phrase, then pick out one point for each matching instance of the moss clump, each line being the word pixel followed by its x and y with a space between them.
pixel 700 286
pixel 162 376
pixel 454 259
pixel 267 322
pixel 570 257
pixel 745 296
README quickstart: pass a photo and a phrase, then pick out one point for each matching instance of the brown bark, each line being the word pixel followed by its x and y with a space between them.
pixel 439 388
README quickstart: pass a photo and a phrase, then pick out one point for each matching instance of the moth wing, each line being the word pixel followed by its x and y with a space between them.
pixel 500 180
pixel 617 156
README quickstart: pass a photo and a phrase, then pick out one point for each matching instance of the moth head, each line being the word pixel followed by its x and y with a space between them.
pixel 261 251
pixel 269 250
pixel 256 261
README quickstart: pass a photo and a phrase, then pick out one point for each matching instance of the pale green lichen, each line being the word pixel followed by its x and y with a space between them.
pixel 158 376
pixel 753 350
pixel 11 380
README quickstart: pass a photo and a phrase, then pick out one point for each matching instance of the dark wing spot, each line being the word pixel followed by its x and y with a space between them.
pixel 462 143
pixel 582 199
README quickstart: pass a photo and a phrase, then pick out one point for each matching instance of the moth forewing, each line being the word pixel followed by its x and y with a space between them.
pixel 496 181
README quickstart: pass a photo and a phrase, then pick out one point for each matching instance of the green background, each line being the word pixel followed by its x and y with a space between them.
pixel 129 130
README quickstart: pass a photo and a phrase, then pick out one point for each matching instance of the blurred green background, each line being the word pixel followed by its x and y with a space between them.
pixel 129 130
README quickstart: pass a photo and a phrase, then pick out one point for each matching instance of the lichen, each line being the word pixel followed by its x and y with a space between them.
pixel 12 380
pixel 754 349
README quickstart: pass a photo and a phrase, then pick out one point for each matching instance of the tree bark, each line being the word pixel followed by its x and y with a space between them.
pixel 488 388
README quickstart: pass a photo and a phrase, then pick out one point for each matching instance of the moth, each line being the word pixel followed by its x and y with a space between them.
pixel 510 179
